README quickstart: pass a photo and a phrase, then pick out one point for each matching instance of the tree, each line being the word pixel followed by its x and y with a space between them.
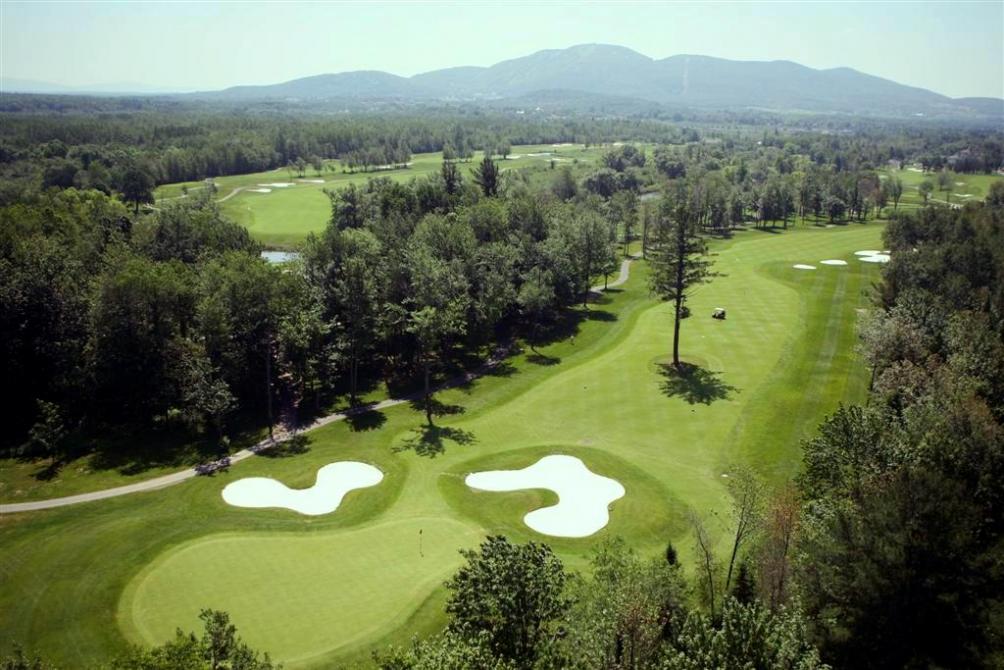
pixel 452 180
pixel 624 209
pixel 775 553
pixel 925 188
pixel 353 292
pixel 624 611
pixel 678 256
pixel 19 660
pixel 219 648
pixel 448 651
pixel 749 637
pixel 946 184
pixel 47 435
pixel 747 491
pixel 486 175
pixel 512 593
pixel 895 191
pixel 137 187
pixel 563 185
pixel 439 297
pixel 536 298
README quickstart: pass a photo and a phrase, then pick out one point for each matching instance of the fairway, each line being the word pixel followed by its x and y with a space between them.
pixel 284 217
pixel 765 377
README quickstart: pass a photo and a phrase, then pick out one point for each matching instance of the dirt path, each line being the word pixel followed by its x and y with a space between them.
pixel 282 435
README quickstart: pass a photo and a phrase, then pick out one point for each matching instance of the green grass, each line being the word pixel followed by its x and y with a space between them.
pixel 79 583
pixel 965 187
pixel 284 217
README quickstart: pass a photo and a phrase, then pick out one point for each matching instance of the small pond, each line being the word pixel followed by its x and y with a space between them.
pixel 279 256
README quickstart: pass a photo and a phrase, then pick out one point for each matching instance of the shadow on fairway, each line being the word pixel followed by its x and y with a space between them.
pixel 694 384
pixel 294 446
pixel 368 420
pixel 542 359
pixel 430 441
pixel 438 408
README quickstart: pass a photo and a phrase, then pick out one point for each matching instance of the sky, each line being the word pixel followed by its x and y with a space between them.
pixel 954 48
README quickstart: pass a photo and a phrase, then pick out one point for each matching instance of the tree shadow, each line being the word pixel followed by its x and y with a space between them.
pixel 694 384
pixel 542 359
pixel 48 472
pixel 296 445
pixel 365 420
pixel 438 408
pixel 600 315
pixel 430 441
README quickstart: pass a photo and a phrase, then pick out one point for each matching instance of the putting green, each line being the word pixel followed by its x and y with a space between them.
pixel 78 583
pixel 298 595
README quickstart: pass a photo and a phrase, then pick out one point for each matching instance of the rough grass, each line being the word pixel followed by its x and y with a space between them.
pixel 79 583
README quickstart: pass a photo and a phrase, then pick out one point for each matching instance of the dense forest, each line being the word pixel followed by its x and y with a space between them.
pixel 127 149
pixel 886 551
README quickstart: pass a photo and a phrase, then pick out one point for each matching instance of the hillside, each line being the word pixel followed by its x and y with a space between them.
pixel 613 71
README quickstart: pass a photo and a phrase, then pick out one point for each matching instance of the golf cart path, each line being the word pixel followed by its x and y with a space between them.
pixel 231 194
pixel 282 435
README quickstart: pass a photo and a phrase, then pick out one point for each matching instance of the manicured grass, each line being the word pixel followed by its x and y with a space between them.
pixel 284 217
pixel 343 604
pixel 78 583
pixel 965 187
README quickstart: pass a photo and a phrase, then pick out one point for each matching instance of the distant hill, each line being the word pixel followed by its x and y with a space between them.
pixel 619 78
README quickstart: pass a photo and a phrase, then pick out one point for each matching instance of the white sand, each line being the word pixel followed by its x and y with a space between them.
pixel 259 190
pixel 279 184
pixel 563 144
pixel 802 266
pixel 833 262
pixel 538 155
pixel 310 181
pixel 867 252
pixel 583 496
pixel 333 482
pixel 876 258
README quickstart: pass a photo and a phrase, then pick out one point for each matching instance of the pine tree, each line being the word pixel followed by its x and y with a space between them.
pixel 678 256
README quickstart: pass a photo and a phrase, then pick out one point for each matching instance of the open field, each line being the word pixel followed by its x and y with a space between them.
pixel 79 583
pixel 284 216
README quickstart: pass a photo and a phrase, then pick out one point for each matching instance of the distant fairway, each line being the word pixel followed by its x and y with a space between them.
pixel 285 216
pixel 965 187
pixel 80 582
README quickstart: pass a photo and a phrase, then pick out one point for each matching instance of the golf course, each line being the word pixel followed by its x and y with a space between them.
pixel 83 582
pixel 281 208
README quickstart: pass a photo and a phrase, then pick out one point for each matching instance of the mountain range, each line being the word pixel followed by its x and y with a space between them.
pixel 604 71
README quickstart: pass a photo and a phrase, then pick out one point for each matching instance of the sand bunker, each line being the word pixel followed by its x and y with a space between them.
pixel 802 266
pixel 867 252
pixel 310 181
pixel 279 184
pixel 583 495
pixel 324 497
pixel 259 190
pixel 875 258
pixel 833 261
pixel 542 153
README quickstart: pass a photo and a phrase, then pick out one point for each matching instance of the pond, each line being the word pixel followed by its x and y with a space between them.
pixel 279 256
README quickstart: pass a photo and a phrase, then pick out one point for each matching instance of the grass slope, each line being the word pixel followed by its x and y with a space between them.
pixel 78 583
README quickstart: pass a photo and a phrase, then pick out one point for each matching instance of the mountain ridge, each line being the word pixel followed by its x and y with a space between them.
pixel 690 81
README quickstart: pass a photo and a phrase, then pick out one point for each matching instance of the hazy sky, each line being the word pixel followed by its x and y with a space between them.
pixel 954 48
